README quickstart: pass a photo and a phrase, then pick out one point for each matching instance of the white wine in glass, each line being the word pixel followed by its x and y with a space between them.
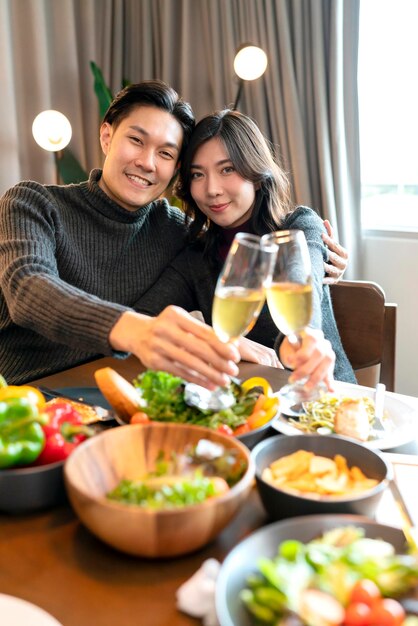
pixel 290 306
pixel 235 311
pixel 289 297
pixel 239 298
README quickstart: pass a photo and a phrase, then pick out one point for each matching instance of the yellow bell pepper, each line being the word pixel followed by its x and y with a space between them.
pixel 257 381
pixel 23 391
pixel 264 410
pixel 271 402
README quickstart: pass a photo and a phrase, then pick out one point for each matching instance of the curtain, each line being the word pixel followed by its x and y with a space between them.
pixel 306 103
pixel 45 49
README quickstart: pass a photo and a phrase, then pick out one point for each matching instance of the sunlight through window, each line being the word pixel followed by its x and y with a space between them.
pixel 388 109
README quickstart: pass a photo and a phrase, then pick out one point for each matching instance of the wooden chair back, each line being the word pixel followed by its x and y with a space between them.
pixel 367 327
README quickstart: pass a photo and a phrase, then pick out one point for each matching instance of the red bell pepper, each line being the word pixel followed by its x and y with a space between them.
pixel 63 432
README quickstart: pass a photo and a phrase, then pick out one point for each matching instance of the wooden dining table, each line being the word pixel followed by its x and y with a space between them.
pixel 50 559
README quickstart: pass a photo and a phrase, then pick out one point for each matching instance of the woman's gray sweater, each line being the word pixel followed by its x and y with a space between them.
pixel 190 283
pixel 71 262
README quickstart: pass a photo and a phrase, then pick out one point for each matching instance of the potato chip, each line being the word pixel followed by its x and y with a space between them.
pixel 341 463
pixel 317 476
pixel 308 483
pixel 333 484
pixel 322 465
pixel 292 465
pixel 357 474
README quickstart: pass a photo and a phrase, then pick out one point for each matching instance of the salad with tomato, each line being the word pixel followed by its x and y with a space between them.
pixel 340 579
pixel 161 398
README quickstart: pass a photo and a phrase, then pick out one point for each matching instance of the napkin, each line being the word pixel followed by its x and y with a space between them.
pixel 196 596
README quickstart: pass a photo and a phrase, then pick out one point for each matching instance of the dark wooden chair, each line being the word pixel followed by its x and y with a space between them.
pixel 367 327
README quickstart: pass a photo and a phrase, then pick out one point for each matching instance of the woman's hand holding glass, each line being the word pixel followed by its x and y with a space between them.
pixel 313 360
pixel 290 301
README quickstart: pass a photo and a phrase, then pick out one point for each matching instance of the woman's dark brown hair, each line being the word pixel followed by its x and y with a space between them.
pixel 253 160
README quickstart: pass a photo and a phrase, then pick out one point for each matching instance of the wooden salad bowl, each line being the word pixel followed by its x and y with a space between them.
pixel 129 452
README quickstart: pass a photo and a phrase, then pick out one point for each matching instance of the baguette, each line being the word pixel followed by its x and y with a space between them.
pixel 120 394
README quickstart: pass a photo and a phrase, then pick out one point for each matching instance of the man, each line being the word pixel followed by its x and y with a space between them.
pixel 75 259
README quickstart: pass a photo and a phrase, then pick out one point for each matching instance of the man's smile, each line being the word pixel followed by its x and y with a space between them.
pixel 139 180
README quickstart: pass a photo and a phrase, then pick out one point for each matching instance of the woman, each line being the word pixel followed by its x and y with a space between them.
pixel 230 182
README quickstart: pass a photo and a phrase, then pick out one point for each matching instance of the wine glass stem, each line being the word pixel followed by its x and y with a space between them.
pixel 295 339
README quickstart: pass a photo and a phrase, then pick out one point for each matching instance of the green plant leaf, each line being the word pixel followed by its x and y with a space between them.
pixel 69 168
pixel 103 93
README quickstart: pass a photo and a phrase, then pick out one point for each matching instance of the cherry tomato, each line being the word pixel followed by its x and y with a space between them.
pixel 224 429
pixel 365 591
pixel 139 418
pixel 357 614
pixel 241 430
pixel 387 612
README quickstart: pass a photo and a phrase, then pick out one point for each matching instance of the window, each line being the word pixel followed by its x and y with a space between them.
pixel 388 110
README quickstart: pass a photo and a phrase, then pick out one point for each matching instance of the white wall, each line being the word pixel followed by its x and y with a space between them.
pixel 392 261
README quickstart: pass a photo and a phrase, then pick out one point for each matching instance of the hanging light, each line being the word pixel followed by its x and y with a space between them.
pixel 249 64
pixel 52 131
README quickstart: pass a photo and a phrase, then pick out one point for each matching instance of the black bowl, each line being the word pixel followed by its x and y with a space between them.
pixel 29 489
pixel 281 504
pixel 242 560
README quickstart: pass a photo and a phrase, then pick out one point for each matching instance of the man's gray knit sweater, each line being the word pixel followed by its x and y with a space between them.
pixel 71 262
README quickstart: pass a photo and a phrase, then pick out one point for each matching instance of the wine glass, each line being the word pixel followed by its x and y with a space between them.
pixel 289 298
pixel 239 298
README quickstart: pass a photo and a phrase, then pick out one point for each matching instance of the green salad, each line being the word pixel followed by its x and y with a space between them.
pixel 170 492
pixel 202 471
pixel 162 398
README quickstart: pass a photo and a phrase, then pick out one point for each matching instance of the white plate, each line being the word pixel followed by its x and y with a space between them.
pixel 17 612
pixel 402 418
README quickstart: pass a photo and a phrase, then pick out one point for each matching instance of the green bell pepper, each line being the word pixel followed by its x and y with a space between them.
pixel 21 435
